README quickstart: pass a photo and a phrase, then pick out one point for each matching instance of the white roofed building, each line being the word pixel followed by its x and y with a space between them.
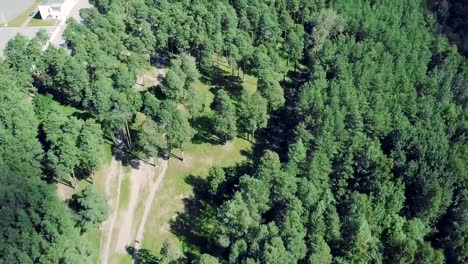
pixel 55 9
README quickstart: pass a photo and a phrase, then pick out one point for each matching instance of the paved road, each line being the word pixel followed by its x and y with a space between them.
pixel 10 9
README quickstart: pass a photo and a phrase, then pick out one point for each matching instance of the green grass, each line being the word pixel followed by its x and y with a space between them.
pixel 37 22
pixel 249 82
pixel 19 20
pixel 94 238
pixel 169 199
pixel 205 94
pixel 121 259
pixel 125 192
pixel 99 177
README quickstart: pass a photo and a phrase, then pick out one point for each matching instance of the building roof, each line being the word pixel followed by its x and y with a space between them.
pixel 51 2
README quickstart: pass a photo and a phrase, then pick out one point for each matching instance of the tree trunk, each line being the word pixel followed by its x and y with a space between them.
pixel 74 179
pixel 129 140
pixel 183 155
pixel 243 70
pixel 112 136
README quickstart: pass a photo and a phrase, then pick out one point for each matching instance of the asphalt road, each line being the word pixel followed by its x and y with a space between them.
pixel 10 9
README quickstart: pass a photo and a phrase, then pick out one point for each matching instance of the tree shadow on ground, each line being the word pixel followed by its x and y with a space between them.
pixel 144 255
pixel 280 129
pixel 121 152
pixel 275 137
pixel 204 128
pixel 196 225
pixel 217 79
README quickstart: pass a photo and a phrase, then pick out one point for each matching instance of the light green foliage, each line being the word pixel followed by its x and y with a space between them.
pixel 175 124
pixel 206 259
pixel 327 24
pixel 173 85
pixel 216 178
pixel 150 139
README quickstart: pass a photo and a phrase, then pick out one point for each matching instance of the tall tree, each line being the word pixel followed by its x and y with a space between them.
pixel 225 116
pixel 252 112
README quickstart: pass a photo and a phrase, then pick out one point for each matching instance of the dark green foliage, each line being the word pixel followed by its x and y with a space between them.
pixel 225 116
pixel 452 20
pixel 90 207
pixel 36 227
pixel 252 112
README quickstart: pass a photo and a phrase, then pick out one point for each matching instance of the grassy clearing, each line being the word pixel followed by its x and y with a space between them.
pixel 19 20
pixel 169 200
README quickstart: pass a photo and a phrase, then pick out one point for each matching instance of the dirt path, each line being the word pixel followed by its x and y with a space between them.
pixel 139 179
pixel 148 205
pixel 114 174
pixel 145 80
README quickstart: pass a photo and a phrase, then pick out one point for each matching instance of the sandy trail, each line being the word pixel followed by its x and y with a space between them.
pixel 149 201
pixel 139 179
pixel 114 174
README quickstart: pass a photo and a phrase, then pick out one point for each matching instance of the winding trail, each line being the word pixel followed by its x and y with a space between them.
pixel 115 171
pixel 149 202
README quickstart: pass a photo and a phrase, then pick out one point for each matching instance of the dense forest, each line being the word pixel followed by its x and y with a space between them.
pixel 358 124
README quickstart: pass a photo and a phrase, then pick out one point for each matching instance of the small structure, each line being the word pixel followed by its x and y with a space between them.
pixel 55 9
